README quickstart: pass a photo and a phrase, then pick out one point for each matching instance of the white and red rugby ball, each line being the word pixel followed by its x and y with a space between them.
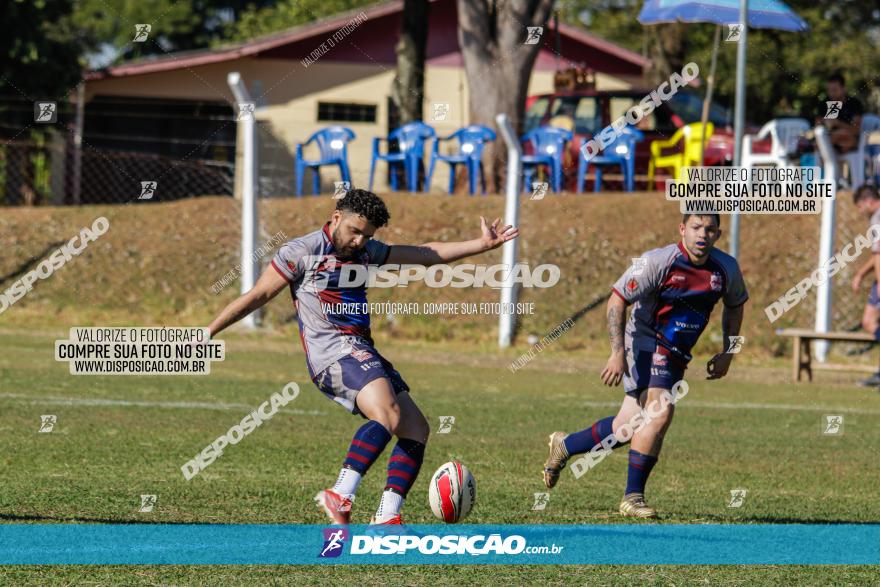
pixel 452 493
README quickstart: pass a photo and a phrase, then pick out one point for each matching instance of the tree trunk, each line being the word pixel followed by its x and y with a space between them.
pixel 498 64
pixel 667 47
pixel 408 88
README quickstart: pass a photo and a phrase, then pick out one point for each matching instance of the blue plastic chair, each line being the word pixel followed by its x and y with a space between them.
pixel 873 152
pixel 620 152
pixel 332 144
pixel 548 148
pixel 471 140
pixel 411 151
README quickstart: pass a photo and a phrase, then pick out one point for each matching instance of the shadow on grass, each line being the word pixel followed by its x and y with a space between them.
pixel 28 518
pixel 23 267
pixel 773 520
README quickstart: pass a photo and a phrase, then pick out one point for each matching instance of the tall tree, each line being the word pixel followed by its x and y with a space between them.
pixel 498 61
pixel 40 50
pixel 667 46
pixel 408 88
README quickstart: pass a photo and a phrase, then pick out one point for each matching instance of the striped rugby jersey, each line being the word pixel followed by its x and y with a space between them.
pixel 310 266
pixel 673 298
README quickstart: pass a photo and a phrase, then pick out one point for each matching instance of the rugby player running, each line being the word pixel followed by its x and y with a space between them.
pixel 673 291
pixel 341 358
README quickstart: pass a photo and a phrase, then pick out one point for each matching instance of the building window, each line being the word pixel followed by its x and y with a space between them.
pixel 341 112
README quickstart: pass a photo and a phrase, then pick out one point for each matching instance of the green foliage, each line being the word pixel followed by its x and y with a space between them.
pixel 785 72
pixel 255 21
pixel 40 49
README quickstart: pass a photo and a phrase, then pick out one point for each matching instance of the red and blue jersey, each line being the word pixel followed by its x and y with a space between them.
pixel 673 298
pixel 333 319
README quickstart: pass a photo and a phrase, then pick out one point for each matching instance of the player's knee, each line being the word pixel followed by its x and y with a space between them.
pixel 659 418
pixel 389 416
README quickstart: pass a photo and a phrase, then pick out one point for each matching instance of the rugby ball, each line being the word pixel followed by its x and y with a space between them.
pixel 452 493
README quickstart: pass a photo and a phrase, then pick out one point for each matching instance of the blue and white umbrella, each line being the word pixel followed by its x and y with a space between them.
pixel 767 14
pixel 762 14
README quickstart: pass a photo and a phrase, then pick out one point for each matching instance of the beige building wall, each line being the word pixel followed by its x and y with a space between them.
pixel 287 100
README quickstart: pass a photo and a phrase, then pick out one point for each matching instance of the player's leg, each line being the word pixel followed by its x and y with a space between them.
pixel 405 460
pixel 871 324
pixel 645 449
pixel 564 446
pixel 345 383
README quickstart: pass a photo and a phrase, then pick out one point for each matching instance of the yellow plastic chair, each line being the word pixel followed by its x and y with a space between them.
pixel 689 156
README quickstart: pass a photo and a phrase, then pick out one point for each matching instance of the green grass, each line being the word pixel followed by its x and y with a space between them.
pixel 733 433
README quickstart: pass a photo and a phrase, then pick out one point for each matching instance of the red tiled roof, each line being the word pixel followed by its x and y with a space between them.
pixel 187 59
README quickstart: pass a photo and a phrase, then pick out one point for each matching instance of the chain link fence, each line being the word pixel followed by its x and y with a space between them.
pixel 847 305
pixel 131 149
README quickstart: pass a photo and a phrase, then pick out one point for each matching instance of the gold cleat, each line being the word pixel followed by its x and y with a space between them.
pixel 634 506
pixel 556 460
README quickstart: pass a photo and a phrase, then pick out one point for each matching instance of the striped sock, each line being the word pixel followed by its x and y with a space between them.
pixel 404 464
pixel 368 443
pixel 584 441
pixel 639 468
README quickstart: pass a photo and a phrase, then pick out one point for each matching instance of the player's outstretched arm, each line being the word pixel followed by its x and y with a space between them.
pixel 266 288
pixel 492 237
pixel 615 314
pixel 731 322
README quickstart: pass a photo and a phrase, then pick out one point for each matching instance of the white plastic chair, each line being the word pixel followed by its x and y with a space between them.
pixel 784 133
pixel 855 160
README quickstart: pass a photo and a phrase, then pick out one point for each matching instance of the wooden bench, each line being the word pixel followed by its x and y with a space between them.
pixel 803 358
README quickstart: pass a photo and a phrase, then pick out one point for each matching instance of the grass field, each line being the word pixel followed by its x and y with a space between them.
pixel 119 437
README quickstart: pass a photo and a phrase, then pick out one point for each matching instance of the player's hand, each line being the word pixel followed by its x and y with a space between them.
pixel 614 369
pixel 493 236
pixel 718 365
pixel 856 283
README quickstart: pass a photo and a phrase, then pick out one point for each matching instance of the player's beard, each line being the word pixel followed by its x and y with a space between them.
pixel 343 251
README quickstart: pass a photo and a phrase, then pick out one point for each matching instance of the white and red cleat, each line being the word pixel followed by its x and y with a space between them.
pixel 337 508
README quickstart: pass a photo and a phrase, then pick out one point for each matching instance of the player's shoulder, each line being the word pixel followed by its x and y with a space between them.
pixel 728 262
pixel 311 243
pixel 662 255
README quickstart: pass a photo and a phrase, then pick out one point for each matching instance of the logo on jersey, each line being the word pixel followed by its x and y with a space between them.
pixel 632 285
pixel 334 541
pixel 361 355
pixel 371 365
pixel 715 282
pixel 678 278
pixel 660 360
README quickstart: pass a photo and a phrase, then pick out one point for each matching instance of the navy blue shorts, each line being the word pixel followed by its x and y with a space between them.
pixel 873 298
pixel 651 366
pixel 344 379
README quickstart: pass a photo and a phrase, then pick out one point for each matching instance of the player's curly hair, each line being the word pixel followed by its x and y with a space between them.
pixel 866 191
pixel 366 204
